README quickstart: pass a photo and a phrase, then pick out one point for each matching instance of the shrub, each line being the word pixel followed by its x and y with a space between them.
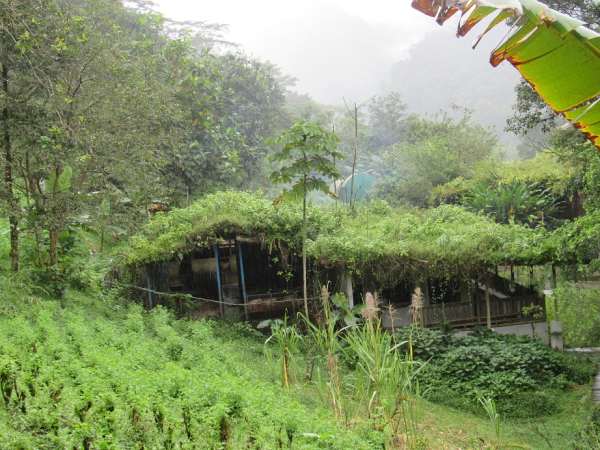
pixel 426 343
pixel 529 404
pixel 579 311
pixel 513 371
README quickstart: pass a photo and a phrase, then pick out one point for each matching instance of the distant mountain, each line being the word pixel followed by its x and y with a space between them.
pixel 443 70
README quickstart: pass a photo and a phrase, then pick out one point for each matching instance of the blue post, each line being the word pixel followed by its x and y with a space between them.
pixel 240 256
pixel 219 284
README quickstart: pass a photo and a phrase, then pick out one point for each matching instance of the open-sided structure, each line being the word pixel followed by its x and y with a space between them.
pixel 235 254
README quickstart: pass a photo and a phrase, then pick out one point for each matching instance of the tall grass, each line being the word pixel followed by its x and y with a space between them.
pixel 389 387
pixel 287 341
pixel 489 406
pixel 325 337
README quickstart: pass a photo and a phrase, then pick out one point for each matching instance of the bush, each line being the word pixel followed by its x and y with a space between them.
pixel 579 311
pixel 514 371
pixel 426 343
pixel 529 404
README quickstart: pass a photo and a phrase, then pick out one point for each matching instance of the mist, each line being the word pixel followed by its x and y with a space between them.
pixel 350 51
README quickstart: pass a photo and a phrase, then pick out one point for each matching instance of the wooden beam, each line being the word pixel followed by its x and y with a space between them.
pixel 488 310
pixel 219 282
pixel 239 250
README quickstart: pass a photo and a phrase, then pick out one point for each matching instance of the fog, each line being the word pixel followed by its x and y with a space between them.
pixel 351 49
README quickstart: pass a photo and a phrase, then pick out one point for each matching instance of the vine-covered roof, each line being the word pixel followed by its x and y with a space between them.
pixel 376 237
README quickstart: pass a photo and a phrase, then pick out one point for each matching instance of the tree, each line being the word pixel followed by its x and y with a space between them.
pixel 432 153
pixel 306 160
pixel 387 120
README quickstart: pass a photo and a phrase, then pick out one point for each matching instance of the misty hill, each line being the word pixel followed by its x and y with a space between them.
pixel 442 71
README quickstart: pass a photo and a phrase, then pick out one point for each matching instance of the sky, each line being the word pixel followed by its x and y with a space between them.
pixel 335 49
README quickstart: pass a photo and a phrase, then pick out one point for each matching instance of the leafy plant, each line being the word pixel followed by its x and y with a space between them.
pixel 489 406
pixel 389 374
pixel 325 339
pixel 541 41
pixel 287 341
pixel 512 202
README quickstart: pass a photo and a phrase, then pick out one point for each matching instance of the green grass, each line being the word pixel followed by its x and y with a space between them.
pixel 447 428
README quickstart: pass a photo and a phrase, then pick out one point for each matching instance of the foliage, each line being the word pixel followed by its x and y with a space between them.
pixel 388 377
pixel 554 40
pixel 530 112
pixel 540 191
pixel 433 152
pixel 444 240
pixel 107 106
pixel 577 241
pixel 306 161
pixel 579 312
pixel 287 340
pixel 307 158
pixel 490 409
pixel 505 369
pixel 221 215
pixel 512 202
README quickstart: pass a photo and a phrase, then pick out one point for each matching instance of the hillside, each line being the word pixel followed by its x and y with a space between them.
pixel 93 371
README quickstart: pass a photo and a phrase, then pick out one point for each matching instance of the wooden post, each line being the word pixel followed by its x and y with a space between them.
pixel 346 282
pixel 554 293
pixel 426 292
pixel 244 296
pixel 149 286
pixel 219 282
pixel 488 310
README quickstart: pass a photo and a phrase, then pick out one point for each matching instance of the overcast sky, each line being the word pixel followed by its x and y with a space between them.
pixel 335 48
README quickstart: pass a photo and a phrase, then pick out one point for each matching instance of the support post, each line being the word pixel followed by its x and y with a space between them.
pixel 346 282
pixel 488 309
pixel 149 286
pixel 219 282
pixel 244 296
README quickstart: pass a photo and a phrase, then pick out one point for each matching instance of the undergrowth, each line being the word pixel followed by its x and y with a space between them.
pixel 100 374
pixel 522 376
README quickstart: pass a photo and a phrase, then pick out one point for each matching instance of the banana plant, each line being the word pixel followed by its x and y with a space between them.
pixel 558 55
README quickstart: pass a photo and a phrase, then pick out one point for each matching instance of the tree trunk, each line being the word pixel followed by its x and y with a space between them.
pixel 304 282
pixel 8 178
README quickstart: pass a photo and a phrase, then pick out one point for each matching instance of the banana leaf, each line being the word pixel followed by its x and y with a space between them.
pixel 556 54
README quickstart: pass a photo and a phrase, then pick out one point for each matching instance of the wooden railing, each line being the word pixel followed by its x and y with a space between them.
pixel 468 314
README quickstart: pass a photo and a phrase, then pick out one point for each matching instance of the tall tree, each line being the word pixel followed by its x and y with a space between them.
pixel 307 162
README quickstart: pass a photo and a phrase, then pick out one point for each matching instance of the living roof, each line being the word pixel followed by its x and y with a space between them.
pixel 220 216
pixel 378 238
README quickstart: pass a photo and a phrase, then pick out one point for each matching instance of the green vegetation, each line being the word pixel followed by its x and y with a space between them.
pixel 306 162
pixel 446 238
pixel 580 330
pixel 520 375
pixel 102 373
pixel 126 140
